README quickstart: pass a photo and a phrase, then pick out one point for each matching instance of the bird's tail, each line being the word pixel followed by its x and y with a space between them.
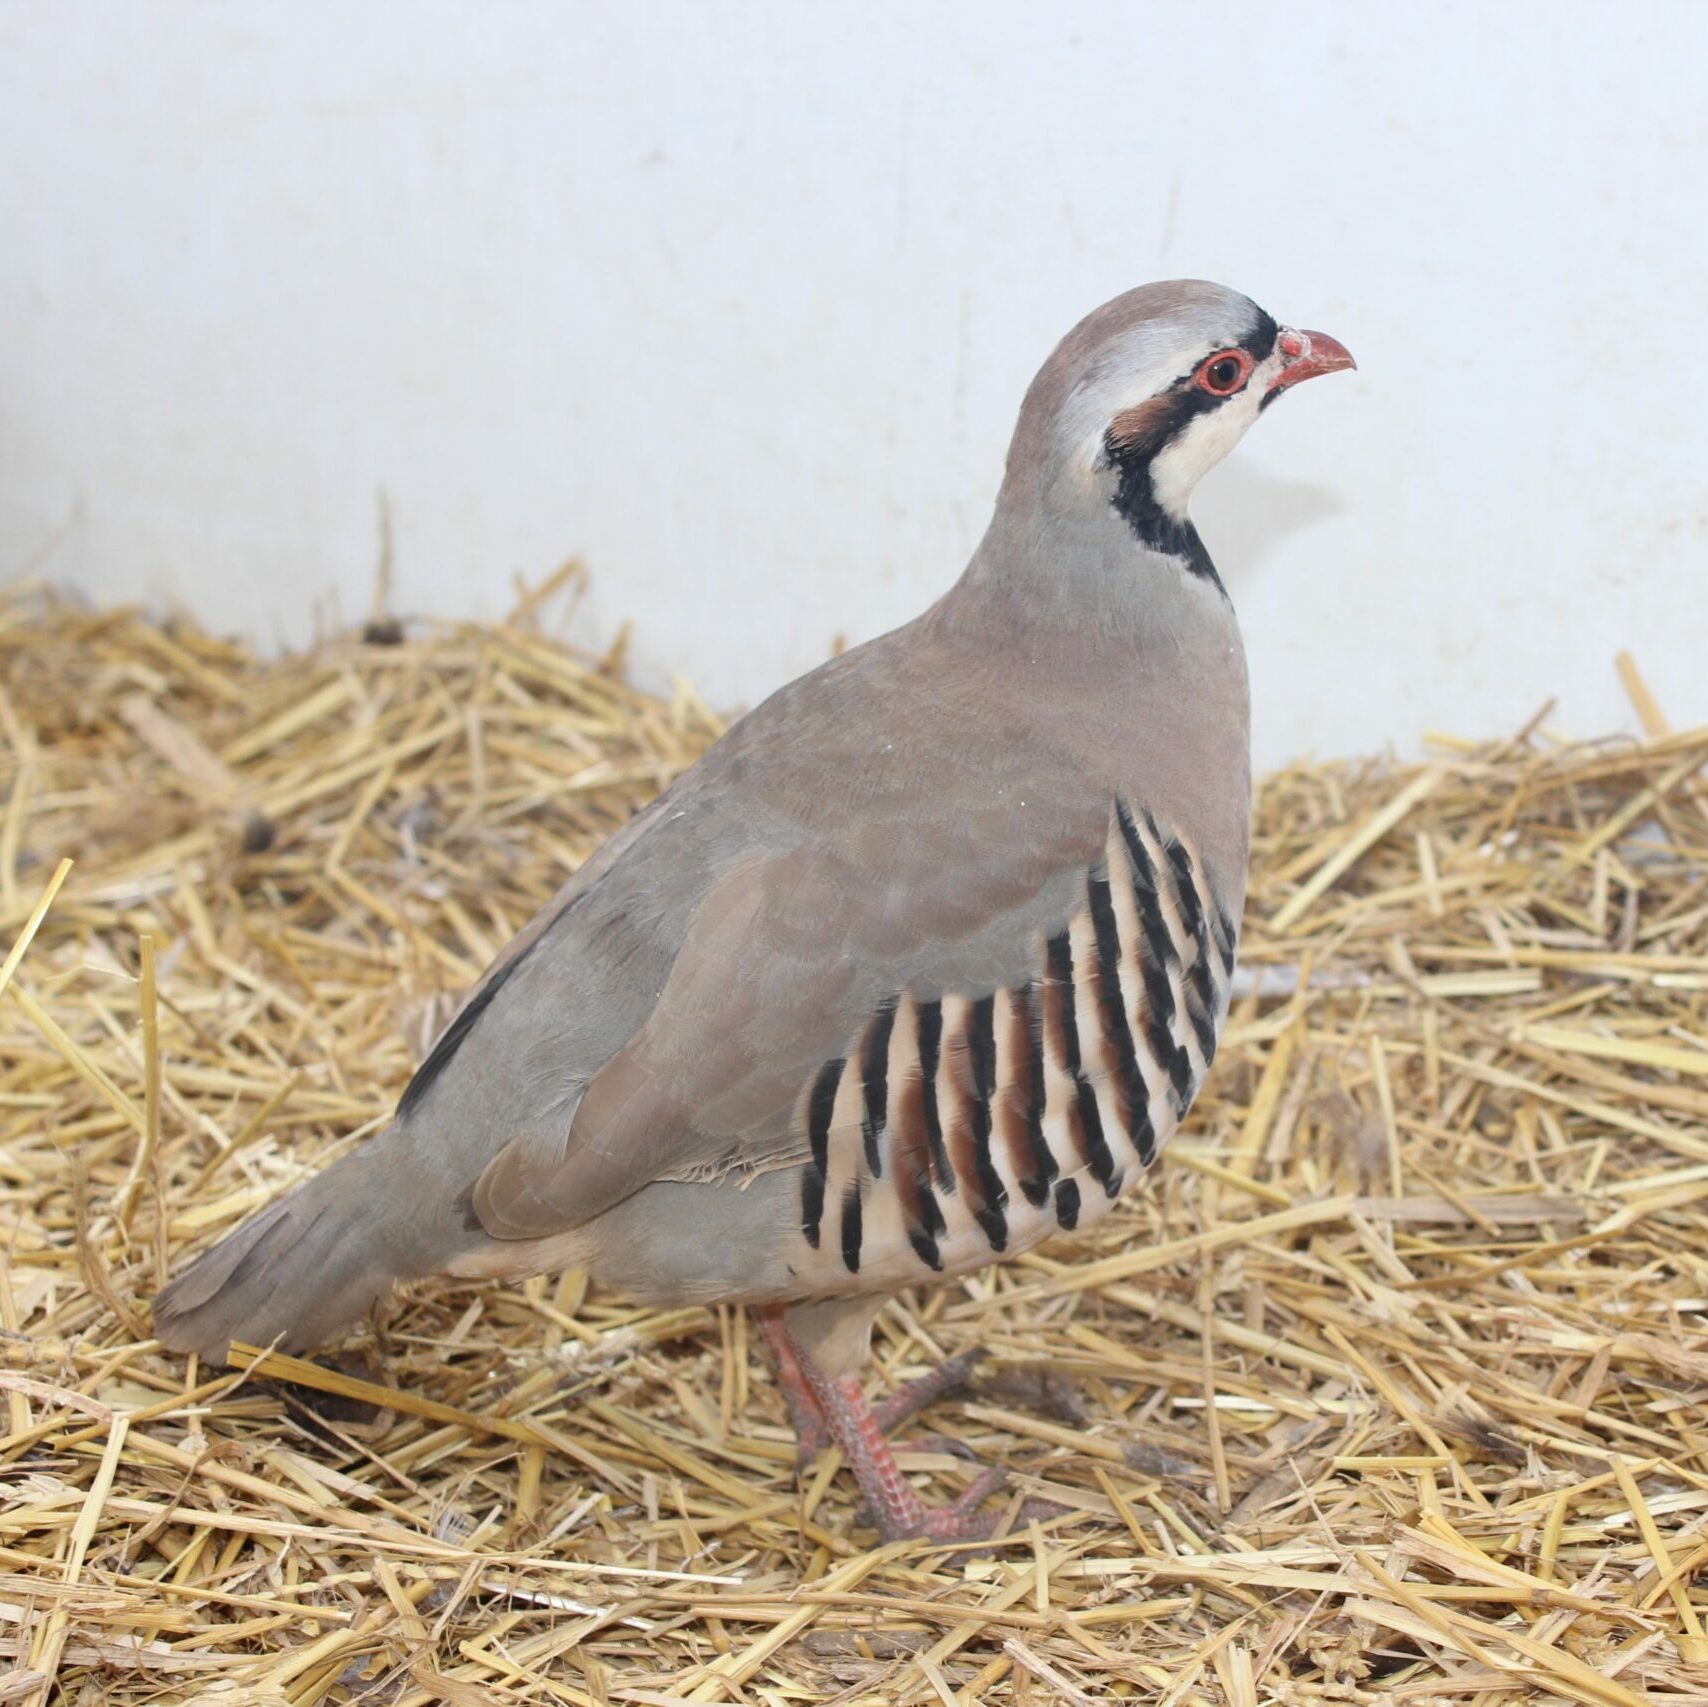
pixel 313 1263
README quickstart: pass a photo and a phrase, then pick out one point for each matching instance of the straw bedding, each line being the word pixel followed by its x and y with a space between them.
pixel 1389 1388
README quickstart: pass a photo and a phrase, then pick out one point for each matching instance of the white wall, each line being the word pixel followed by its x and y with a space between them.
pixel 737 301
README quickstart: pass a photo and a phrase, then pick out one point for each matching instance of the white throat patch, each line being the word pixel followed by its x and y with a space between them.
pixel 1194 451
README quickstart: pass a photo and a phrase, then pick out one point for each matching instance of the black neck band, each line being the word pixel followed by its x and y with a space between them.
pixel 1136 503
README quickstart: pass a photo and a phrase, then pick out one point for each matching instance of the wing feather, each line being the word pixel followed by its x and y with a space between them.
pixel 785 960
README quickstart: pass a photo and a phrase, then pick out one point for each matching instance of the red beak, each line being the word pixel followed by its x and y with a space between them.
pixel 1308 354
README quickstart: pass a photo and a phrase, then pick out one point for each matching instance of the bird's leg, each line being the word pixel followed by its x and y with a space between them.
pixel 943 1382
pixel 804 1414
pixel 908 1400
pixel 899 1511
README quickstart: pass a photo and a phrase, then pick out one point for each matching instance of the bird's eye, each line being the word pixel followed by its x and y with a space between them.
pixel 1223 374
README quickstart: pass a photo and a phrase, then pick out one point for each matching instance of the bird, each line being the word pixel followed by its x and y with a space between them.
pixel 920 963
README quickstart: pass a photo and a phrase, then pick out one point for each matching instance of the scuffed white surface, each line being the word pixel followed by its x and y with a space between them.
pixel 736 300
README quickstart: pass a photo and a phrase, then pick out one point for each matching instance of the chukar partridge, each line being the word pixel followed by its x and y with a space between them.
pixel 924 960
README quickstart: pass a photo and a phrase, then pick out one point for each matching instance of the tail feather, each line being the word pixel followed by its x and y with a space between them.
pixel 310 1265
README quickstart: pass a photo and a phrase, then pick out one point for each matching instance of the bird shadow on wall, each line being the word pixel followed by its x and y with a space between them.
pixel 1248 513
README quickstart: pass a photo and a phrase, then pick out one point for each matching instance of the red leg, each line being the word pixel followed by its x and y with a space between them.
pixel 908 1400
pixel 899 1510
pixel 943 1382
pixel 804 1414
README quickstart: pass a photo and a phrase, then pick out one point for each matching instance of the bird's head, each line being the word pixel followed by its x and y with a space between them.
pixel 1151 391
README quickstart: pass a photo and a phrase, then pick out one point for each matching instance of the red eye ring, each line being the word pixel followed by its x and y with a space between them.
pixel 1224 373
